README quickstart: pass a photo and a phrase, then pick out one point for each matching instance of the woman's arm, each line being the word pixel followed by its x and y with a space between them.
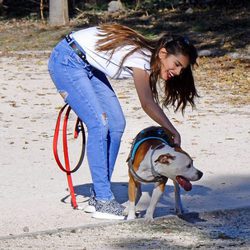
pixel 151 108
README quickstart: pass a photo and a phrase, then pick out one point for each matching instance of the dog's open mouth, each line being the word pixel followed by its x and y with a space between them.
pixel 184 183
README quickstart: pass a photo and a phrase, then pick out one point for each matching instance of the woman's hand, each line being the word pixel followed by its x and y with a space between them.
pixel 177 138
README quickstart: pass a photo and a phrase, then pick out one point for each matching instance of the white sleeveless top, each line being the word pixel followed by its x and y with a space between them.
pixel 87 39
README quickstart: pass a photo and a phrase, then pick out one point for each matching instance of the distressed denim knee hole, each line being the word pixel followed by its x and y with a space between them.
pixel 63 94
pixel 104 119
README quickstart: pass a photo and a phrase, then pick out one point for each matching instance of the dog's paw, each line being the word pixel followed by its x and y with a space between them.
pixel 131 217
pixel 148 218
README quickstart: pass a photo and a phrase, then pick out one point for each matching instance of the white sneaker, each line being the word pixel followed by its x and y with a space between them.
pixel 111 210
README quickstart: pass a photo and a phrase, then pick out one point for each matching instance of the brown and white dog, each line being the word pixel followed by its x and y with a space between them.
pixel 156 161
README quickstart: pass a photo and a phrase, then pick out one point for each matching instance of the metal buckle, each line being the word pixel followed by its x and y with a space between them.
pixel 69 39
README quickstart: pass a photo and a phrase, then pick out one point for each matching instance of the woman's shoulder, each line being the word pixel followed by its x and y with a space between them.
pixel 139 59
pixel 87 30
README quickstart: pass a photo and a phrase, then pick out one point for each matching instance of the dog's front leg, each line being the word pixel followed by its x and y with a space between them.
pixel 132 193
pixel 157 192
pixel 138 193
pixel 178 203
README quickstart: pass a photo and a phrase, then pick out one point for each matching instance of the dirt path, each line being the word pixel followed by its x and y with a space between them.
pixel 228 229
pixel 216 134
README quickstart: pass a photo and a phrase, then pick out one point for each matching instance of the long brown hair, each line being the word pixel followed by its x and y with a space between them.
pixel 179 90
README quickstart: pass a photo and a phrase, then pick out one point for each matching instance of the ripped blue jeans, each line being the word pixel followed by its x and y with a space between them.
pixel 90 95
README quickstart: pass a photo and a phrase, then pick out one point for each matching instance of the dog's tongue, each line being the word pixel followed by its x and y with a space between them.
pixel 184 183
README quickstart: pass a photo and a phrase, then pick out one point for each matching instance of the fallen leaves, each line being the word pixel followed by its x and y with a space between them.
pixel 226 77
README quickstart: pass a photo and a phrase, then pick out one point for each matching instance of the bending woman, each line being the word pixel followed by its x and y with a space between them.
pixel 79 66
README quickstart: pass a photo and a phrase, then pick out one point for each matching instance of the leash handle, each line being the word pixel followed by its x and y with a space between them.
pixel 78 127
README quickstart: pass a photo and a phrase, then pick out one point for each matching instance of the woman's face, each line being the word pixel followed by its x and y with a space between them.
pixel 171 65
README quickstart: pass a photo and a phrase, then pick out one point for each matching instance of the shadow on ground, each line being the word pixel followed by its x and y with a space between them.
pixel 223 192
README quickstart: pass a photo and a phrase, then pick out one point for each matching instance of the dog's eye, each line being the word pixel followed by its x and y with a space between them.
pixel 189 166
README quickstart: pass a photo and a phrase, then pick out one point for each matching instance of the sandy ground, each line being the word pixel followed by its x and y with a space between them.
pixel 228 229
pixel 32 186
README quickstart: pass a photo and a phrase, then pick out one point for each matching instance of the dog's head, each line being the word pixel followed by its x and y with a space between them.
pixel 177 165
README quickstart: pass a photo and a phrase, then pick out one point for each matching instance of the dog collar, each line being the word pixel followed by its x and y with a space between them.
pixel 157 176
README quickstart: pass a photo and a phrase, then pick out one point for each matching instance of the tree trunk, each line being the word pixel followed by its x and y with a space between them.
pixel 1 6
pixel 58 12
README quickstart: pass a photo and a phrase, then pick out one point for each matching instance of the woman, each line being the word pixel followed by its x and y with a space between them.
pixel 79 66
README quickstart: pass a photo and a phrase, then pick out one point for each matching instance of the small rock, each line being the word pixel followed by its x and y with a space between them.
pixel 189 11
pixel 114 6
pixel 205 52
pixel 26 229
pixel 234 55
pixel 76 230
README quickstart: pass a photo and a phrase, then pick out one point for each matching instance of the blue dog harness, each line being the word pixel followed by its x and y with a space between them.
pixel 150 133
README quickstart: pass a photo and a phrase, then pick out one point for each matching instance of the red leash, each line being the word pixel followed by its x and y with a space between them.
pixel 78 127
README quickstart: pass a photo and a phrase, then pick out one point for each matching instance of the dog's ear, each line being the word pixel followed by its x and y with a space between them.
pixel 164 159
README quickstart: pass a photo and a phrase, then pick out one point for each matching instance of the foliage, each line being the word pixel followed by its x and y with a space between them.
pixel 222 30
pixel 27 8
pixel 23 8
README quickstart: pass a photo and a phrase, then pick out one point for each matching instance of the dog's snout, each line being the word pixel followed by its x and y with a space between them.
pixel 200 174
